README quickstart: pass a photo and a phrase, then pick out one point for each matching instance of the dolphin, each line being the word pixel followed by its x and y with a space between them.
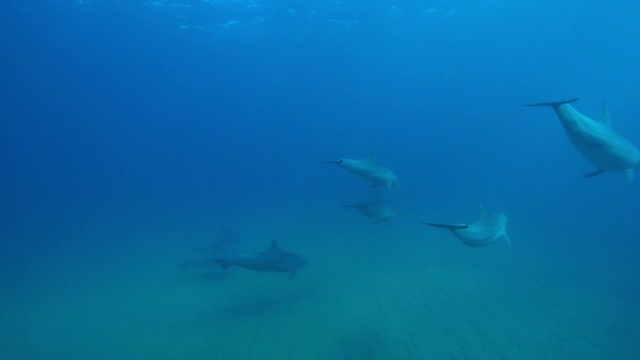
pixel 489 228
pixel 376 210
pixel 224 240
pixel 273 259
pixel 596 140
pixel 371 170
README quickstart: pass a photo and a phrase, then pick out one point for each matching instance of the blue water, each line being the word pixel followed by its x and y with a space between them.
pixel 134 133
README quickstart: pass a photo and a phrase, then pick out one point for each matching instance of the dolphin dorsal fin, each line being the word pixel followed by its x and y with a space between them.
pixel 274 246
pixel 606 119
pixel 482 211
pixel 372 157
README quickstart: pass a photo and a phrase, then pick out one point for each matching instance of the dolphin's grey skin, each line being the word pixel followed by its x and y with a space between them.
pixel 274 260
pixel 370 170
pixel 596 140
pixel 489 228
pixel 376 210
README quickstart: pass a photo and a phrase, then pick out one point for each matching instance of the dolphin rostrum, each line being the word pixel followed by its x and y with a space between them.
pixel 376 210
pixel 596 140
pixel 371 170
pixel 489 228
pixel 274 260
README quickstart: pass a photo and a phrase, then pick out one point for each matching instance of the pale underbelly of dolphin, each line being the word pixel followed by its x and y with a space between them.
pixel 607 156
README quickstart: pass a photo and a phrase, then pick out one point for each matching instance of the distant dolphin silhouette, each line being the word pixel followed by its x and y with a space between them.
pixel 489 228
pixel 274 260
pixel 596 140
pixel 225 239
pixel 376 210
pixel 371 170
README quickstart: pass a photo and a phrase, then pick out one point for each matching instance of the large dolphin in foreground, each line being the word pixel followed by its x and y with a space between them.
pixel 596 140
pixel 489 228
pixel 376 210
pixel 274 260
pixel 371 170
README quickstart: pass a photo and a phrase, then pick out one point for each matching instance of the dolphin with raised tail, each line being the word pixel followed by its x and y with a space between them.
pixel 596 140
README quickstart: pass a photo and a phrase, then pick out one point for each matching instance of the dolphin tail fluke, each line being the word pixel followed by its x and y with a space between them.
pixel 553 104
pixel 447 226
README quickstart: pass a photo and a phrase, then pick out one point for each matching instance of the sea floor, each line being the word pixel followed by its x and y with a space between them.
pixel 361 297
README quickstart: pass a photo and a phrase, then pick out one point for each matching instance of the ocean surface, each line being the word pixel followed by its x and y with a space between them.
pixel 136 136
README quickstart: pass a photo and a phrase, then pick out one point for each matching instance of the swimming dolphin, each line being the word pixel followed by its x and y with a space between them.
pixel 596 140
pixel 376 210
pixel 489 228
pixel 274 260
pixel 225 239
pixel 370 170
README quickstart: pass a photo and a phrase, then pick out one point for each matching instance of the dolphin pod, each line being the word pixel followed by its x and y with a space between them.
pixel 596 140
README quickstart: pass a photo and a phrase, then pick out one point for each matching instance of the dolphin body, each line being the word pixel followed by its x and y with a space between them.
pixel 596 140
pixel 371 170
pixel 489 228
pixel 376 210
pixel 273 260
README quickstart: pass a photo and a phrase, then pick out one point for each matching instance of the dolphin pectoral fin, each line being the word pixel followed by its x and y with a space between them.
pixel 506 238
pixel 447 226
pixel 552 103
pixel 630 175
pixel 594 173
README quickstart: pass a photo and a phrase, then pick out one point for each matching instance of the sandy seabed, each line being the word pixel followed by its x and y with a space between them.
pixel 348 304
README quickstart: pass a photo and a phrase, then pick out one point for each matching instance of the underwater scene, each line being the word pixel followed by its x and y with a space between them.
pixel 344 179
